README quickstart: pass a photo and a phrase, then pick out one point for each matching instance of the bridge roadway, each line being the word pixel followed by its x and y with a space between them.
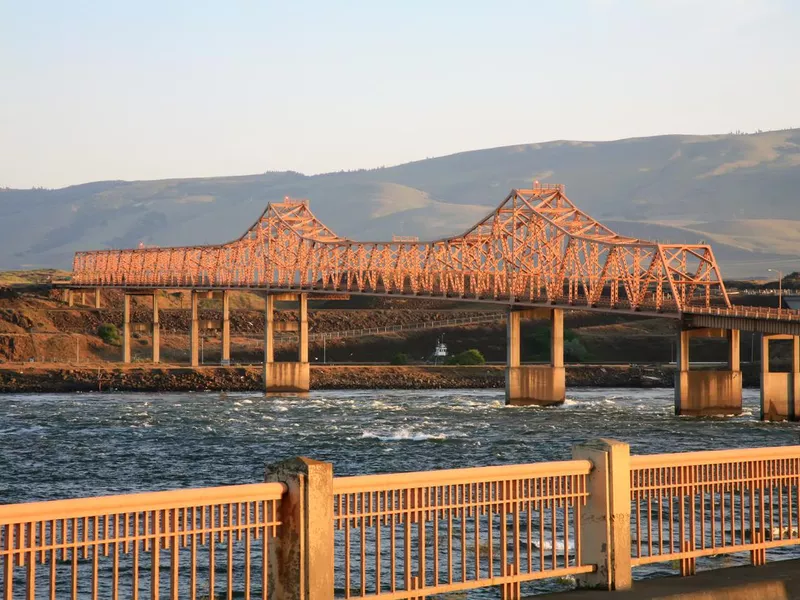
pixel 537 254
pixel 744 318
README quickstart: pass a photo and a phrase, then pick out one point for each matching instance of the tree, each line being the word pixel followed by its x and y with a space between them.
pixel 539 344
pixel 109 333
pixel 468 357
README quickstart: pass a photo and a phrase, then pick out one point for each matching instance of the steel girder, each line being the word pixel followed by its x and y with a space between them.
pixel 536 247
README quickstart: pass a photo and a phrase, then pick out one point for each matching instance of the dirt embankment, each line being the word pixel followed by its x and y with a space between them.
pixel 36 325
pixel 180 379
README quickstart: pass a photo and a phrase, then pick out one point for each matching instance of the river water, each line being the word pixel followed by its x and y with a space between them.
pixel 70 445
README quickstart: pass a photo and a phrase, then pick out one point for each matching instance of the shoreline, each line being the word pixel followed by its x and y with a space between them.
pixel 29 378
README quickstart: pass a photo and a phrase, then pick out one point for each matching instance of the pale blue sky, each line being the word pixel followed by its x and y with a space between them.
pixel 148 89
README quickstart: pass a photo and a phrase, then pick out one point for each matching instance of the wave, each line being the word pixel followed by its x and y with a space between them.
pixel 402 435
pixel 547 545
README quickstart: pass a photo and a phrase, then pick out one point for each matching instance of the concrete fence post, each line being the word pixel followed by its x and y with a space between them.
pixel 301 557
pixel 606 519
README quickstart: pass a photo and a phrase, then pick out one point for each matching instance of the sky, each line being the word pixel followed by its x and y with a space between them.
pixel 152 89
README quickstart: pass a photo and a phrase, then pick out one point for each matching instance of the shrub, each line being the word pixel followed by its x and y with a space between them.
pixel 539 345
pixel 468 357
pixel 401 358
pixel 575 351
pixel 109 334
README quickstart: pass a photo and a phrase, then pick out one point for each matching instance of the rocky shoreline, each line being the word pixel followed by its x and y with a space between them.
pixel 65 378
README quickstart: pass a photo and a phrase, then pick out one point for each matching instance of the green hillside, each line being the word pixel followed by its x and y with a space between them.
pixel 739 192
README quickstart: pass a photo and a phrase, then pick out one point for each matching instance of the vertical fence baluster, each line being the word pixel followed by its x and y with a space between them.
pixel 362 525
pixel 231 537
pixel 212 552
pixel 249 531
pixel 52 557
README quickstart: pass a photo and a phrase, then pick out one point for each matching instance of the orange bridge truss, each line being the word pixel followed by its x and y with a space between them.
pixel 536 248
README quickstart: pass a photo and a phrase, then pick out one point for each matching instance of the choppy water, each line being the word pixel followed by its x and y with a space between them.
pixel 68 445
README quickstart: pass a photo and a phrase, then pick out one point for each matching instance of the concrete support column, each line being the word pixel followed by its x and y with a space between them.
pixel 226 327
pixel 780 392
pixel 70 298
pixel 269 329
pixel 540 385
pixel 97 297
pixel 194 332
pixel 83 298
pixel 557 338
pixel 796 374
pixel 156 330
pixel 606 519
pixel 126 328
pixel 286 376
pixel 708 392
pixel 683 350
pixel 513 319
pixel 301 556
pixel 302 332
pixel 734 350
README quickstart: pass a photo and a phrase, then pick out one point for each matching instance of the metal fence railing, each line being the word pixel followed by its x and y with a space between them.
pixel 415 534
pixel 748 312
pixel 478 319
pixel 689 505
pixel 135 545
pixel 408 535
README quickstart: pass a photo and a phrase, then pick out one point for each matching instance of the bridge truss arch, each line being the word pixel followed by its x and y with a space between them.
pixel 535 248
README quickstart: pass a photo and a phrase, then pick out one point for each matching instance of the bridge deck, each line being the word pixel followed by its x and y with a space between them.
pixel 773 581
pixel 744 318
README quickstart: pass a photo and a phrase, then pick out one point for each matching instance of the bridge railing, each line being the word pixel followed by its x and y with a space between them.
pixel 138 544
pixel 409 535
pixel 369 331
pixel 751 312
pixel 691 505
pixel 415 534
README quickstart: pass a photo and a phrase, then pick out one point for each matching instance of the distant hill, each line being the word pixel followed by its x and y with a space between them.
pixel 739 192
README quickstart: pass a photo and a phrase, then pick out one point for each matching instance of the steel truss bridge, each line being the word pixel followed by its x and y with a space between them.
pixel 535 249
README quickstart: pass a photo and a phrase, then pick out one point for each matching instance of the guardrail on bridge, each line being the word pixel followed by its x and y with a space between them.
pixel 308 535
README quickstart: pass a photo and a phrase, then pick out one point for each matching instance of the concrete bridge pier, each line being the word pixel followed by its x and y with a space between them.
pixel 539 385
pixel 128 326
pixel 780 392
pixel 194 329
pixel 226 327
pixel 707 392
pixel 286 376
pixel 97 300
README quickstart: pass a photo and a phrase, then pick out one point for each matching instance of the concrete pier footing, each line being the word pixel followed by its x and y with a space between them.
pixel 708 392
pixel 294 376
pixel 539 385
pixel 780 392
